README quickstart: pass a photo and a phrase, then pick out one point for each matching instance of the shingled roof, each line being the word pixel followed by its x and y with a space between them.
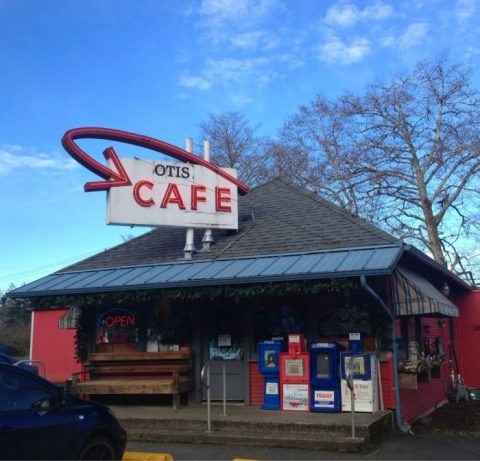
pixel 277 217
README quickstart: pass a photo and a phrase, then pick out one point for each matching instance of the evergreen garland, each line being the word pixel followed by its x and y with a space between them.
pixel 88 303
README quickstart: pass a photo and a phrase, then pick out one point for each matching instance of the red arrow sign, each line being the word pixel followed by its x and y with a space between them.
pixel 120 177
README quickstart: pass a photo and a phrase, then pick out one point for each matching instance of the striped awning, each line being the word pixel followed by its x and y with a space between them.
pixel 414 295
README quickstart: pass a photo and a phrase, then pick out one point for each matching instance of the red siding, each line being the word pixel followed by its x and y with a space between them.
pixel 421 401
pixel 54 346
pixel 256 385
pixel 427 396
pixel 386 379
pixel 468 337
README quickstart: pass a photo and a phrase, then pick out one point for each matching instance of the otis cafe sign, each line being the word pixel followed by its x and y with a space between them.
pixel 194 193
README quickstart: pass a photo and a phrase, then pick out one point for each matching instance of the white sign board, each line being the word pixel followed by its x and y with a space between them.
pixel 295 397
pixel 173 194
pixel 271 388
pixel 324 399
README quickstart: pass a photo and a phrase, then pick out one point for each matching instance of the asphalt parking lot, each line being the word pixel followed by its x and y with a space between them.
pixel 398 447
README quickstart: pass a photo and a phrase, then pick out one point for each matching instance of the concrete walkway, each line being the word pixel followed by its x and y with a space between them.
pixel 252 426
pixel 245 413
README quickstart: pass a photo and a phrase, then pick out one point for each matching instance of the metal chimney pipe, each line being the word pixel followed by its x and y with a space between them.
pixel 189 239
pixel 207 239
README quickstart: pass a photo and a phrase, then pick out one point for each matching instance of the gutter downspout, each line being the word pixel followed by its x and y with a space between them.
pixel 405 428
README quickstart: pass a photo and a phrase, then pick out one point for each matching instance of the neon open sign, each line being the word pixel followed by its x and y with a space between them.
pixel 195 193
pixel 117 318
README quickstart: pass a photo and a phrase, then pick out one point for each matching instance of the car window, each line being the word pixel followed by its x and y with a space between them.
pixel 18 392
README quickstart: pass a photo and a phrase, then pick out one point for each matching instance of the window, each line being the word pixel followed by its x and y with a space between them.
pixel 18 392
pixel 410 330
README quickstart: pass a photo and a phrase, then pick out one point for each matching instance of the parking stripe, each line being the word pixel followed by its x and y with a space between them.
pixel 144 456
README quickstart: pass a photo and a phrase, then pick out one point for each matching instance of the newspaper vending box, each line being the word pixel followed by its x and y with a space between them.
pixel 295 375
pixel 325 392
pixel 269 366
pixel 365 377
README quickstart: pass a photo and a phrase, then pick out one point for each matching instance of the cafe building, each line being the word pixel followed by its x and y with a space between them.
pixel 295 266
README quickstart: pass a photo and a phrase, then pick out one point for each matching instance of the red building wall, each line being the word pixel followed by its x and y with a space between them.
pixel 257 383
pixel 428 395
pixel 54 346
pixel 387 382
pixel 421 401
pixel 468 337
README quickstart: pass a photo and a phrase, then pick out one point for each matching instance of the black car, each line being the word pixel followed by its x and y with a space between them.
pixel 38 420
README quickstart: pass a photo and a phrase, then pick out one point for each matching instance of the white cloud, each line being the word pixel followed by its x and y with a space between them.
pixel 336 51
pixel 13 158
pixel 235 70
pixel 230 70
pixel 377 12
pixel 465 10
pixel 220 13
pixel 255 40
pixel 414 35
pixel 195 82
pixel 342 14
pixel 346 14
pixel 388 41
pixel 240 100
pixel 291 60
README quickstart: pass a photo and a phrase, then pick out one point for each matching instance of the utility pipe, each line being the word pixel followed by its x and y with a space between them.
pixel 405 428
pixel 207 239
pixel 189 238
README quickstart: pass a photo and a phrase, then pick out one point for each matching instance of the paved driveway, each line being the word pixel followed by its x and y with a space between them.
pixel 397 447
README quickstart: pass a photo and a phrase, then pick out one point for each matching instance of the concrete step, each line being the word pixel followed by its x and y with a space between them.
pixel 318 442
pixel 252 426
pixel 226 426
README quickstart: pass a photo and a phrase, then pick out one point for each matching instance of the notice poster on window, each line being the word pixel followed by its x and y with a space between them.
pixel 271 388
pixel 294 367
pixel 358 367
pixel 295 397
pixel 224 340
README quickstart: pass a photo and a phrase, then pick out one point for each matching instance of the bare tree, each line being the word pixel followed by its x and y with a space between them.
pixel 418 136
pixel 404 155
pixel 235 144
pixel 320 152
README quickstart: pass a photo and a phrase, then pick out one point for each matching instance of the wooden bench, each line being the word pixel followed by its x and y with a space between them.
pixel 135 373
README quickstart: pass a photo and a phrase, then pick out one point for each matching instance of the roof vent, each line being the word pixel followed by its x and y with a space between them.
pixel 207 240
pixel 189 244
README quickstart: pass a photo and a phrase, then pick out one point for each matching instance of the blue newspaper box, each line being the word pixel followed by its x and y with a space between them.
pixel 269 365
pixel 324 378
pixel 355 343
pixel 362 366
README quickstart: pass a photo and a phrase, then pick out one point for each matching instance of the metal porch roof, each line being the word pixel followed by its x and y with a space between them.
pixel 345 262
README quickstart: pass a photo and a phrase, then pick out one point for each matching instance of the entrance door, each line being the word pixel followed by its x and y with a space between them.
pixel 226 342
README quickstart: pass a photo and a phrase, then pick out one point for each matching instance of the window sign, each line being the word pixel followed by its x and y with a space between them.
pixel 224 340
pixel 358 367
pixel 117 326
pixel 269 358
pixel 294 367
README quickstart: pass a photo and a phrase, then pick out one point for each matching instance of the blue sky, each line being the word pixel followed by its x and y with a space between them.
pixel 159 67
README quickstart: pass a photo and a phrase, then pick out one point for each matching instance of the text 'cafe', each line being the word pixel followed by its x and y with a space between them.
pixel 285 289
